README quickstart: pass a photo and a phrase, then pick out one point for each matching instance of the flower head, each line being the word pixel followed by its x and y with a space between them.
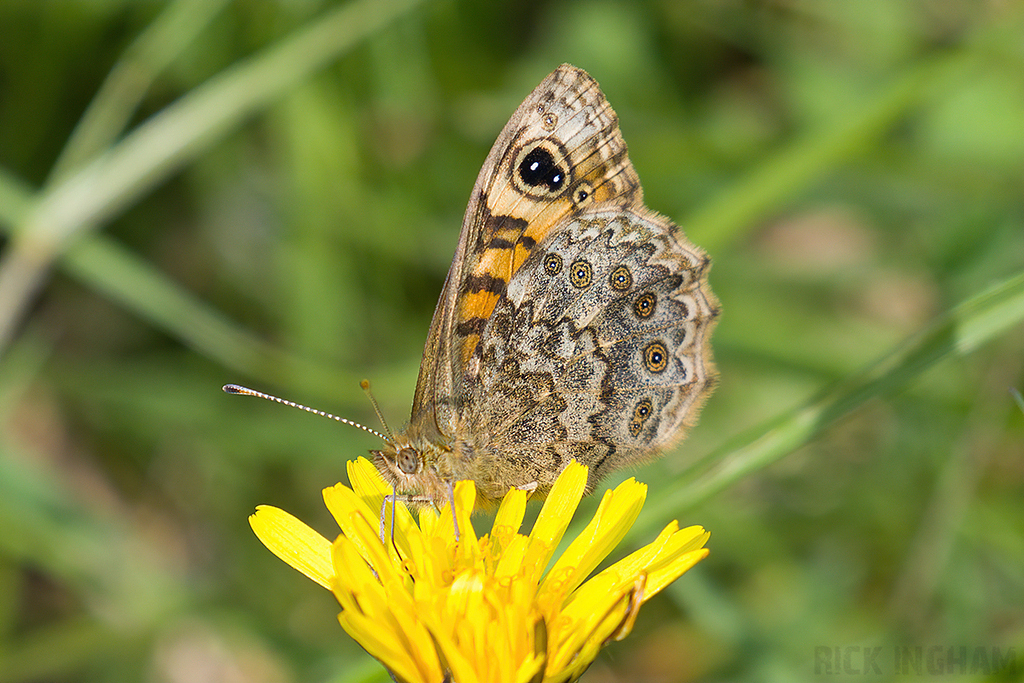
pixel 482 609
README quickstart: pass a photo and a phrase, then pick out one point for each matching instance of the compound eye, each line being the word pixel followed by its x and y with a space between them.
pixel 408 460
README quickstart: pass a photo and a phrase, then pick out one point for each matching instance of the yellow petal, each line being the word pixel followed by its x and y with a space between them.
pixel 294 542
pixel 510 513
pixel 663 561
pixel 381 616
pixel 530 667
pixel 353 516
pixel 366 480
pixel 510 563
pixel 660 578
pixel 370 487
pixel 382 644
pixel 588 625
pixel 465 500
pixel 428 519
pixel 353 578
pixel 615 515
pixel 670 544
pixel 556 514
pixel 461 666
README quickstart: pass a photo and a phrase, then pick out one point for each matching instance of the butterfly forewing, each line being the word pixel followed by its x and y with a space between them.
pixel 574 322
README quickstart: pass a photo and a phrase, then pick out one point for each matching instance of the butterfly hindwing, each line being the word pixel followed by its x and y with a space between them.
pixel 598 351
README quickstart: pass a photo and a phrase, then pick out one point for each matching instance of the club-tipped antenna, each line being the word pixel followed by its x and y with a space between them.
pixel 365 384
pixel 246 391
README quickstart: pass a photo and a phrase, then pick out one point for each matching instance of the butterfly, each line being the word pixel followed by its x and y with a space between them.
pixel 574 322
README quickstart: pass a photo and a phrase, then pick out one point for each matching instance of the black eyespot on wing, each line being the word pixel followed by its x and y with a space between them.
pixel 581 274
pixel 656 357
pixel 541 169
pixel 538 168
pixel 644 306
pixel 621 279
pixel 582 194
pixel 552 264
pixel 641 412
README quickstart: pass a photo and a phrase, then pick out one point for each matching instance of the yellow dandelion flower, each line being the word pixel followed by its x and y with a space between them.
pixel 482 609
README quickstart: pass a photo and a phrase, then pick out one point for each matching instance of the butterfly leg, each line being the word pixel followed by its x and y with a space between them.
pixel 393 499
pixel 451 500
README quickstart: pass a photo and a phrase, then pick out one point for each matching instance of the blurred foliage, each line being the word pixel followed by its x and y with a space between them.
pixel 197 192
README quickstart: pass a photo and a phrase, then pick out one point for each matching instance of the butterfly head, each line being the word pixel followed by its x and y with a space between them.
pixel 413 468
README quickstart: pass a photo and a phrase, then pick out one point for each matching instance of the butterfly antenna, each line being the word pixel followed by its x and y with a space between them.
pixel 246 391
pixel 365 384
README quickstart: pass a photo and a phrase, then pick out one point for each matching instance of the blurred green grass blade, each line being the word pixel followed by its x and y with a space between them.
pixel 139 288
pixel 12 583
pixel 161 145
pixel 128 81
pixel 200 118
pixel 15 199
pixel 122 277
pixel 721 222
pixel 804 162
pixel 26 360
pixel 963 330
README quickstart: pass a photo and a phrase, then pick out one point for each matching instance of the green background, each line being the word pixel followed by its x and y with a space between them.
pixel 200 192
